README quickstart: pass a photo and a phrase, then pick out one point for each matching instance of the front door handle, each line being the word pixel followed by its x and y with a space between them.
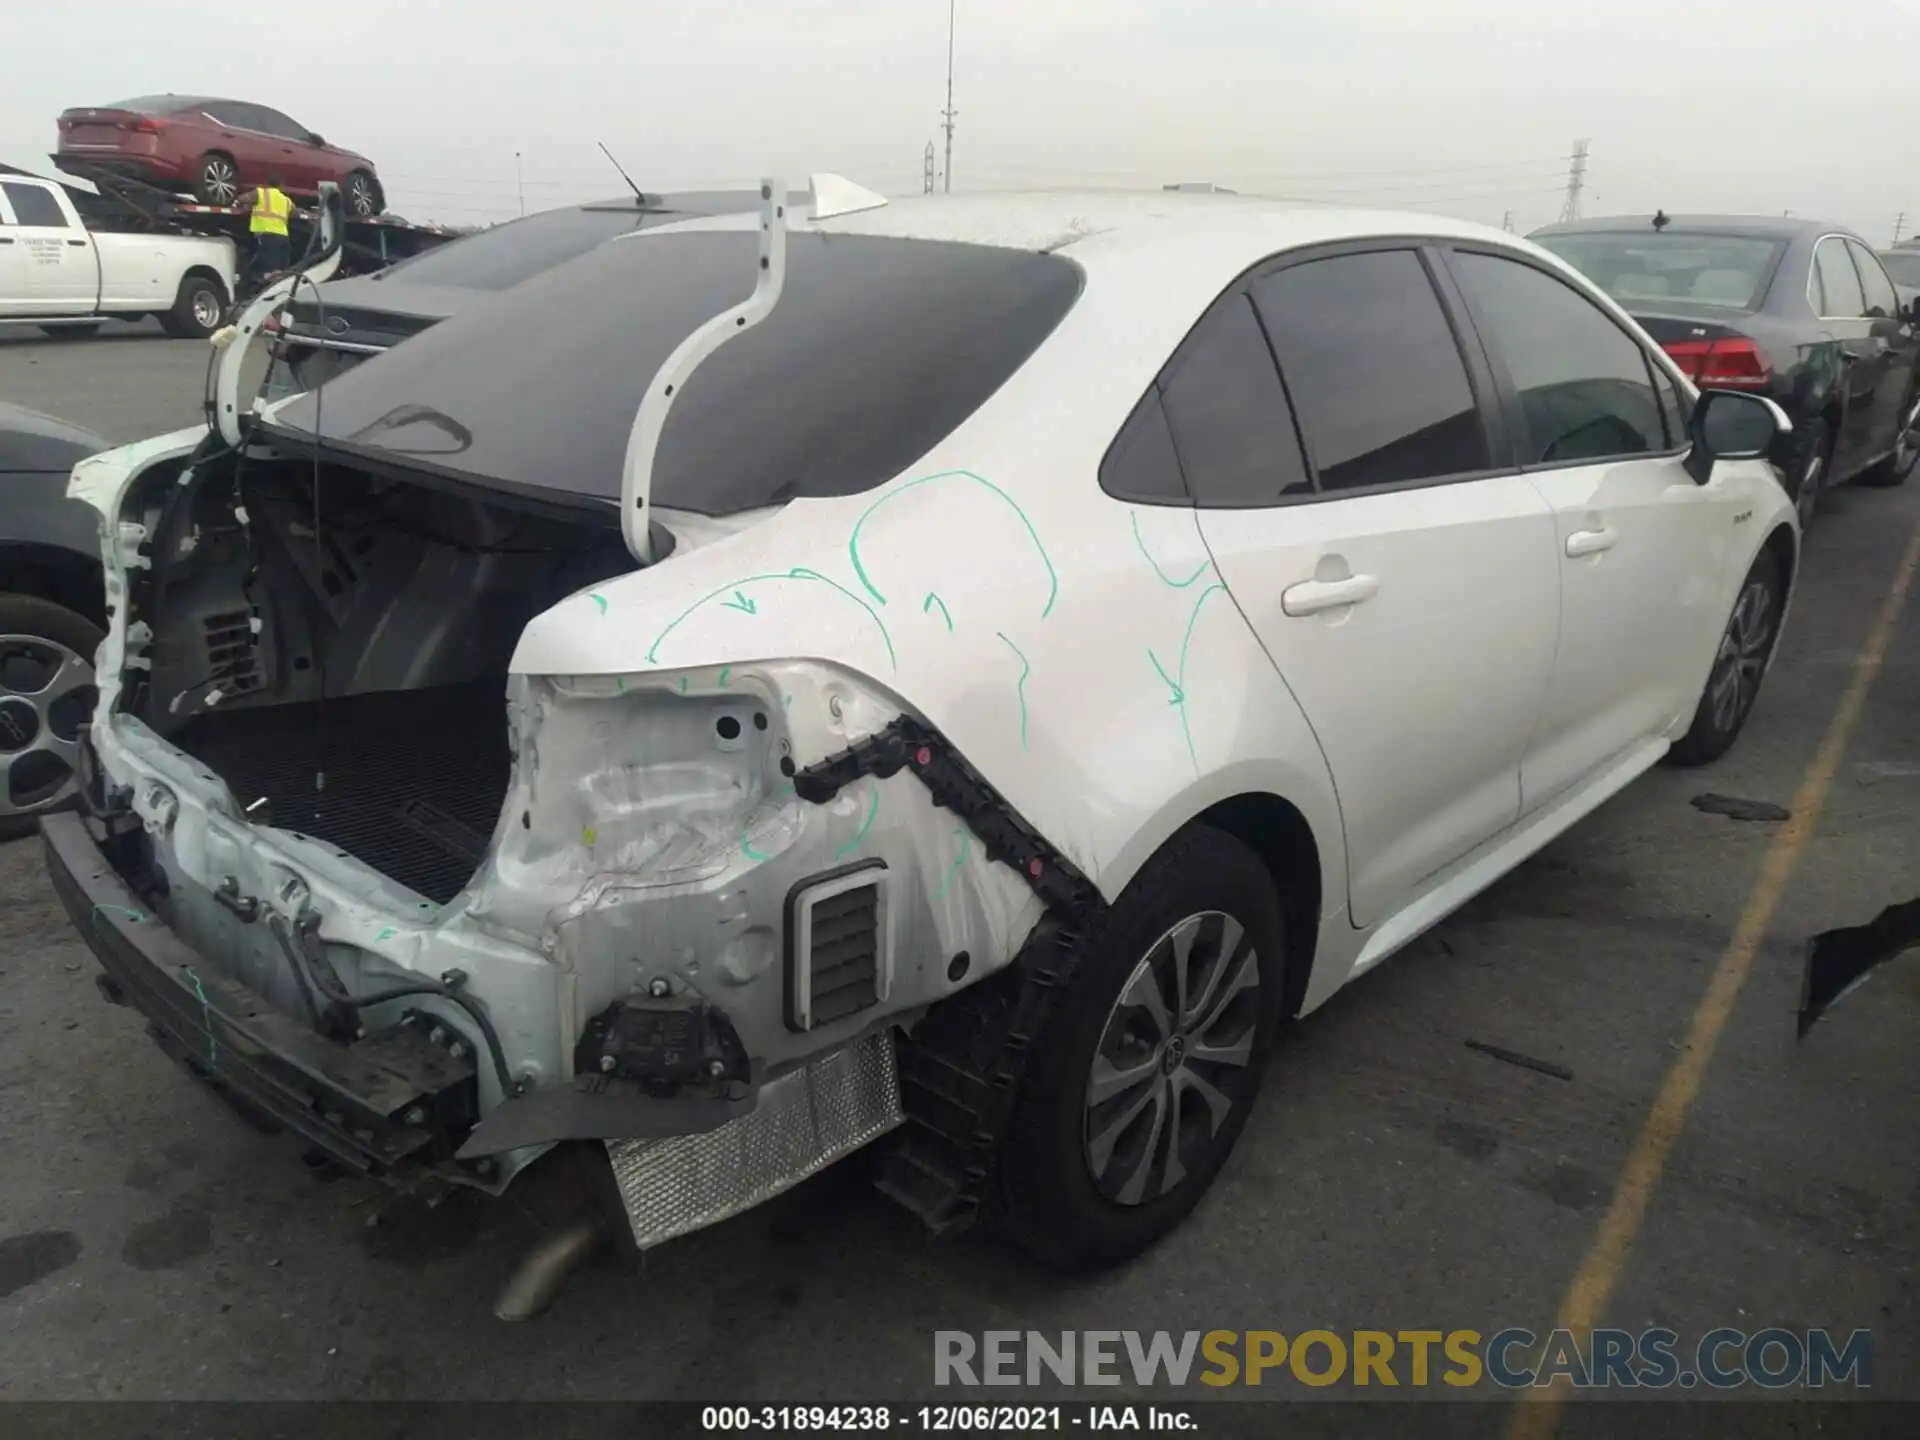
pixel 1591 542
pixel 1310 597
pixel 78 244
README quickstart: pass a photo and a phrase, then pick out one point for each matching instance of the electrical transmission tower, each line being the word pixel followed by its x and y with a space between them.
pixel 1899 224
pixel 1506 222
pixel 946 115
pixel 926 170
pixel 1576 182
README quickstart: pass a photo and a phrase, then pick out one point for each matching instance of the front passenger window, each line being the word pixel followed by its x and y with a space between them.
pixel 1585 389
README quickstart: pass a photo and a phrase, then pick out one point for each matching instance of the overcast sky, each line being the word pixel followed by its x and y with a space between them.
pixel 1468 107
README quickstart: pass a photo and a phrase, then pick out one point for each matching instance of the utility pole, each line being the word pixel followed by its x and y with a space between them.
pixel 926 170
pixel 946 115
pixel 1899 224
pixel 519 182
pixel 1576 181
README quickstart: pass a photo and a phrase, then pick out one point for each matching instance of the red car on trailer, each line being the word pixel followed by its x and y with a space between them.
pixel 214 148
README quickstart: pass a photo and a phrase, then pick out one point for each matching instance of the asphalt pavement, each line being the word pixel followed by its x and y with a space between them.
pixel 1394 1177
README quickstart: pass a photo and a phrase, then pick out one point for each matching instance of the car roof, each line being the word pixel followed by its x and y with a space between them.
pixel 1175 250
pixel 1770 227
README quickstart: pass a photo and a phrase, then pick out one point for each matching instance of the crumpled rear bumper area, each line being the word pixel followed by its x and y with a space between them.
pixel 380 1106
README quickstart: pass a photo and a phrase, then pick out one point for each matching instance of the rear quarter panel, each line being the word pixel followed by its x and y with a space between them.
pixel 1078 650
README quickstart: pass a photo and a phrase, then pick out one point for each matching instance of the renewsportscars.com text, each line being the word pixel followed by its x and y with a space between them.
pixel 1514 1358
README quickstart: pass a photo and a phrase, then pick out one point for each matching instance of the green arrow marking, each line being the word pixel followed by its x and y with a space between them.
pixel 741 603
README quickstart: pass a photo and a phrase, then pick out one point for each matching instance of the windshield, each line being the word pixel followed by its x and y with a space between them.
pixel 1640 267
pixel 1903 267
pixel 877 350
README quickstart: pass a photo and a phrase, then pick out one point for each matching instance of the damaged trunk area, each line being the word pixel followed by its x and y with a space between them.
pixel 334 645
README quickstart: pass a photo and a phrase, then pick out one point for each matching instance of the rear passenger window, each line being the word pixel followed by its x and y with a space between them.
pixel 1374 372
pixel 1231 425
pixel 1841 297
pixel 34 206
pixel 1883 303
pixel 1141 466
pixel 1586 391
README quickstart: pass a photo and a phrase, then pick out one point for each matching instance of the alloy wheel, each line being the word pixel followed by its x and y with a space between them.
pixel 221 182
pixel 1742 660
pixel 1907 448
pixel 361 195
pixel 46 697
pixel 206 309
pixel 1173 1058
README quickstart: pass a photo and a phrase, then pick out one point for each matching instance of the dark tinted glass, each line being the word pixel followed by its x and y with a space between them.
pixel 1585 392
pixel 1903 266
pixel 276 123
pixel 1141 465
pixel 1230 420
pixel 34 206
pixel 1641 267
pixel 877 350
pixel 1673 407
pixel 502 257
pixel 1882 302
pixel 1840 295
pixel 1375 375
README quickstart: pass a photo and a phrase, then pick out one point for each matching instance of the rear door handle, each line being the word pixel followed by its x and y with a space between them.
pixel 78 244
pixel 6 239
pixel 1310 597
pixel 1591 542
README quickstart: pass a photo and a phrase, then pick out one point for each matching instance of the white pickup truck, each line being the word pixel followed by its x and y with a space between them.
pixel 65 278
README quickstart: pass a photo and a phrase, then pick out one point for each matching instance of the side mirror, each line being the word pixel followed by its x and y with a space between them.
pixel 1732 425
pixel 316 138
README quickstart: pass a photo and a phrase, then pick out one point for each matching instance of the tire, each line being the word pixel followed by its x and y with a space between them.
pixel 39 638
pixel 362 195
pixel 1069 1193
pixel 69 332
pixel 1894 469
pixel 1745 647
pixel 216 179
pixel 1812 457
pixel 198 308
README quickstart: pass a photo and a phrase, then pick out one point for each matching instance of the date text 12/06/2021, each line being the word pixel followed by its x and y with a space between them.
pixel 944 1419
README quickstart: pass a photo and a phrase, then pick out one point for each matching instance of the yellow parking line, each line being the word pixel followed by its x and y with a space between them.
pixel 1587 1297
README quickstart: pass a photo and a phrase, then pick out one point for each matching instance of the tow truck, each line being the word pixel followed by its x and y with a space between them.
pixel 188 271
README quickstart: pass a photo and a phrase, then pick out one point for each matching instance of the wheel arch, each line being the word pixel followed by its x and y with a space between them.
pixel 51 573
pixel 1287 815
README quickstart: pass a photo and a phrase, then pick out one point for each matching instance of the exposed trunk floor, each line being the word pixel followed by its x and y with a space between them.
pixel 414 778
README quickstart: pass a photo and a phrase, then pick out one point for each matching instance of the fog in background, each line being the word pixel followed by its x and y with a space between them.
pixel 1466 107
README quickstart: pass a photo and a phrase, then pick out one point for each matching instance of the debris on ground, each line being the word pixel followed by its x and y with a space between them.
pixel 1734 808
pixel 1840 960
pixel 1527 1062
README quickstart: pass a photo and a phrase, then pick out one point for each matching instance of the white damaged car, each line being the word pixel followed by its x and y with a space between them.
pixel 962 697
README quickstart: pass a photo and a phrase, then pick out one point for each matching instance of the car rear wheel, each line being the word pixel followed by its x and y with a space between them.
pixel 46 698
pixel 216 180
pixel 1148 1069
pixel 197 308
pixel 1738 666
pixel 1895 468
pixel 363 196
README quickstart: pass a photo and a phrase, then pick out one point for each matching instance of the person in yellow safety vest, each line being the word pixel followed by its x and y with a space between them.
pixel 269 206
